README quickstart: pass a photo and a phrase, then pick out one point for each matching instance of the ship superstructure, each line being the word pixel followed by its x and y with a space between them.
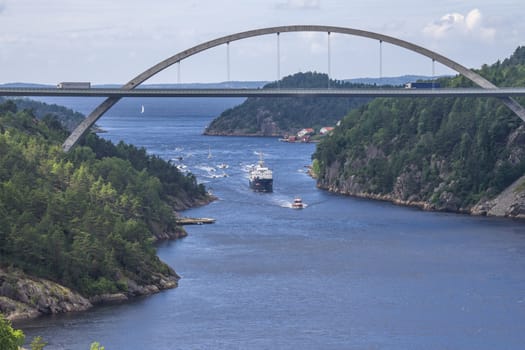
pixel 261 177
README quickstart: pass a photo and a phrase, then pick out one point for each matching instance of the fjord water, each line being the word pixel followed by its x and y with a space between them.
pixel 343 273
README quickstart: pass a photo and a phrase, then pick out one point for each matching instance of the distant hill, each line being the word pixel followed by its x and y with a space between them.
pixel 75 108
pixel 287 115
pixel 394 81
pixel 244 84
pixel 67 117
pixel 131 106
pixel 219 85
pixel 25 85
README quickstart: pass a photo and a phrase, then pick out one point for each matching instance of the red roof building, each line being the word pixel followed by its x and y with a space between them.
pixel 325 130
pixel 304 132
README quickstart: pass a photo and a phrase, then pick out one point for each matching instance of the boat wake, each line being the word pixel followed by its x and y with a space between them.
pixel 287 203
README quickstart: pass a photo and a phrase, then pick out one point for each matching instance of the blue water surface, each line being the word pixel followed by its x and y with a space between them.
pixel 343 273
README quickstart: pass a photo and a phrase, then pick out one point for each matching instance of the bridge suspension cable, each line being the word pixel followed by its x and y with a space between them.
pixel 228 61
pixel 329 59
pixel 380 61
pixel 278 60
pixel 433 72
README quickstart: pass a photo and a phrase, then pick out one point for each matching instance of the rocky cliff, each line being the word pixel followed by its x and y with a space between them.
pixel 23 296
pixel 413 188
pixel 447 154
pixel 510 203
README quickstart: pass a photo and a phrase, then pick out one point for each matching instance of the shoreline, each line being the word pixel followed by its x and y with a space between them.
pixel 480 209
pixel 24 297
pixel 40 297
pixel 509 204
pixel 32 297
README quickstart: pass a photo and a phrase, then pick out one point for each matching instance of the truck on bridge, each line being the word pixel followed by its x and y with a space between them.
pixel 422 85
pixel 74 85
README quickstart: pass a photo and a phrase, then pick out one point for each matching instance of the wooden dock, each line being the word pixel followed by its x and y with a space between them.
pixel 194 221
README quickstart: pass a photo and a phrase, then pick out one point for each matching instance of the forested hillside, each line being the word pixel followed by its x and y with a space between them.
pixel 87 219
pixel 68 118
pixel 439 153
pixel 286 115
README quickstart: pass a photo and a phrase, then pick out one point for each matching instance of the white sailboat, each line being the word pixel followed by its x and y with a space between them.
pixel 142 109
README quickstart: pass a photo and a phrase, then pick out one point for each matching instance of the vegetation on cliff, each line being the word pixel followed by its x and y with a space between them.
pixel 86 219
pixel 286 115
pixel 445 153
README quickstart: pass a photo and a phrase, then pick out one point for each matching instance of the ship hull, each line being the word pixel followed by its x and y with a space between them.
pixel 262 185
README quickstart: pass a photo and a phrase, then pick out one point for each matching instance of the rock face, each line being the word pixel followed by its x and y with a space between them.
pixel 510 203
pixel 409 186
pixel 434 186
pixel 161 282
pixel 22 296
pixel 264 124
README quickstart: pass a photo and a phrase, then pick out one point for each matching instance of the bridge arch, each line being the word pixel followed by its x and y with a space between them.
pixel 86 124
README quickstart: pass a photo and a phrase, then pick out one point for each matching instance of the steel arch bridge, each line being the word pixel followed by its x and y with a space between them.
pixel 90 120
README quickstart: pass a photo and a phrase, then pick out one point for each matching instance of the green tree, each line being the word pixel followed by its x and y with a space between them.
pixel 10 339
pixel 38 343
pixel 96 346
pixel 87 219
pixel 471 148
pixel 279 116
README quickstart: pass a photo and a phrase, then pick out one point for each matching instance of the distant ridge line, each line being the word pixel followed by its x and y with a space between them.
pixel 402 79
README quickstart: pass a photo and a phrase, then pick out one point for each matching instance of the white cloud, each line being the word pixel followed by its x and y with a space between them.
pixel 98 33
pixel 299 4
pixel 453 24
pixel 9 39
pixel 316 42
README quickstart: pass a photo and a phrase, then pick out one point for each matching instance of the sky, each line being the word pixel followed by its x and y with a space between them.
pixel 112 41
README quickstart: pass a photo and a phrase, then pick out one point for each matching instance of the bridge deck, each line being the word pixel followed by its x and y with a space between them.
pixel 146 92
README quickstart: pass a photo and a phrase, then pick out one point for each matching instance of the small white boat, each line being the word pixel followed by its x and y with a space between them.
pixel 297 203
pixel 142 109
